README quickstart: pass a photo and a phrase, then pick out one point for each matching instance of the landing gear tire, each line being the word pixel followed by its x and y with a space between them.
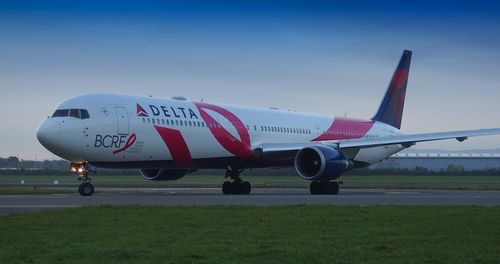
pixel 226 188
pixel 315 188
pixel 333 187
pixel 236 186
pixel 245 187
pixel 86 189
pixel 324 187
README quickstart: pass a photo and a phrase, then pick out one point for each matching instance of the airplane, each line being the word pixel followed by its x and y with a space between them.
pixel 165 139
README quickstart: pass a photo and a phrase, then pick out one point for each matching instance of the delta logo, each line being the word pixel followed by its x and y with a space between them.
pixel 141 111
pixel 166 111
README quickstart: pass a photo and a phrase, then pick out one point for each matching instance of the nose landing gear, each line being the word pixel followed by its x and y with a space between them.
pixel 86 188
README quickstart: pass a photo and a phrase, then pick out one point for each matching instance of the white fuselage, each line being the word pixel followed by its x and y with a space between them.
pixel 141 132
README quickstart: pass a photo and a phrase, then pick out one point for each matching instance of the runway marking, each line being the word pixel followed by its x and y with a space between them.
pixel 402 192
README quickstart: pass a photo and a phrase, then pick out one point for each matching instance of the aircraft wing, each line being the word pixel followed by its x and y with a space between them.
pixel 287 151
pixel 409 140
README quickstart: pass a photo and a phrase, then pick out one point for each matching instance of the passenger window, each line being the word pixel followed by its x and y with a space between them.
pixel 61 113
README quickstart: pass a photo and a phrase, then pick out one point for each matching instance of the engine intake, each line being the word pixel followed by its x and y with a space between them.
pixel 162 174
pixel 320 163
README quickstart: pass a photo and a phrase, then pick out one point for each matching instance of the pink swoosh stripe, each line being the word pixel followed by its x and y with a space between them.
pixel 341 127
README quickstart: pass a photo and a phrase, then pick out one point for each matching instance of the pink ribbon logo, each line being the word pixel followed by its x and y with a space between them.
pixel 128 144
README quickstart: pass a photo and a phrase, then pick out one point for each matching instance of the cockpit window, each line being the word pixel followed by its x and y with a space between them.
pixel 84 114
pixel 61 112
pixel 77 113
pixel 74 113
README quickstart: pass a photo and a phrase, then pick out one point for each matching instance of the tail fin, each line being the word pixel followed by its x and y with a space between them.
pixel 390 110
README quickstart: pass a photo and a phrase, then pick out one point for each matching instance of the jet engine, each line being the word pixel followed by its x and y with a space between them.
pixel 162 174
pixel 320 163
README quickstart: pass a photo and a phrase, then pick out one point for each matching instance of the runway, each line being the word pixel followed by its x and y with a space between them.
pixel 16 203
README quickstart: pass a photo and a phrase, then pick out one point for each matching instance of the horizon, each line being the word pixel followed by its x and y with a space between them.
pixel 324 57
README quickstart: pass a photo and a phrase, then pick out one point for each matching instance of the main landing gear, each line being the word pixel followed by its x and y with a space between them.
pixel 237 186
pixel 324 187
pixel 86 188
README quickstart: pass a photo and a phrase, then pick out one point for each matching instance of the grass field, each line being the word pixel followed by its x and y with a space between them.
pixel 291 234
pixel 12 184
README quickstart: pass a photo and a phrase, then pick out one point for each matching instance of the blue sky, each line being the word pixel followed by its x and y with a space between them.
pixel 332 57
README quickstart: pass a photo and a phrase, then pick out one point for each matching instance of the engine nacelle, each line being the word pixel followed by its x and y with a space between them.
pixel 320 163
pixel 162 174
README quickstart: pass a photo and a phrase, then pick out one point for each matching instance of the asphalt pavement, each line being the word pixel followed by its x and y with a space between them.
pixel 20 203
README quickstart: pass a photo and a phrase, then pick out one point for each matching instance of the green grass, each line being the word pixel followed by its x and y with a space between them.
pixel 288 234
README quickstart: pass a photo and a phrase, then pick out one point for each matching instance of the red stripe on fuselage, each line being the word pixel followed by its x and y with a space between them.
pixel 176 146
pixel 345 128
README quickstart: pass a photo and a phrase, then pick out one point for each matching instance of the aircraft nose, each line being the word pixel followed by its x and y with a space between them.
pixel 49 134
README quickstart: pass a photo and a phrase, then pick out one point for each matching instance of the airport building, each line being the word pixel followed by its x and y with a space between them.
pixel 441 161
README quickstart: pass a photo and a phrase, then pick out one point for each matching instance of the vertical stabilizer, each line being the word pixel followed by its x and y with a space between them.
pixel 390 110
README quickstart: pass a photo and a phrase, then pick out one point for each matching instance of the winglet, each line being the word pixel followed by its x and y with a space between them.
pixel 390 110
